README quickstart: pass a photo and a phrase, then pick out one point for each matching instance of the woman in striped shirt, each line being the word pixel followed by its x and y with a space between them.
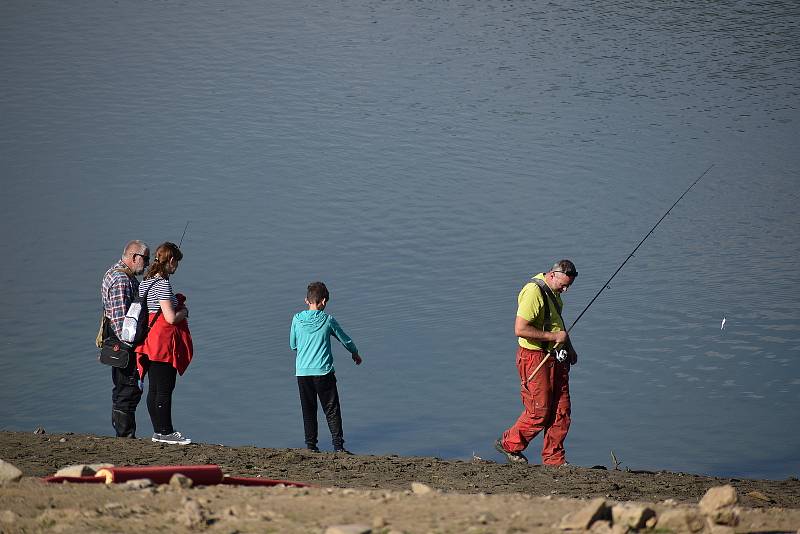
pixel 167 349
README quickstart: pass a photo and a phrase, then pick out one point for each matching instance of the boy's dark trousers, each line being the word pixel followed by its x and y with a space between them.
pixel 324 387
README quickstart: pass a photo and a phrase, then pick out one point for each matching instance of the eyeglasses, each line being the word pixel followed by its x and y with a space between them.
pixel 571 274
pixel 145 258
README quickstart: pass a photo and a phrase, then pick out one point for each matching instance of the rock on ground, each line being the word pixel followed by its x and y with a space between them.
pixel 718 497
pixel 81 470
pixel 180 481
pixel 682 520
pixel 9 473
pixel 583 518
pixel 718 505
pixel 8 516
pixel 420 489
pixel 631 515
pixel 193 515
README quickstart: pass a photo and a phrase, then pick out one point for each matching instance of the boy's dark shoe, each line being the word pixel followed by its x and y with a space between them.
pixel 342 450
pixel 312 448
pixel 513 457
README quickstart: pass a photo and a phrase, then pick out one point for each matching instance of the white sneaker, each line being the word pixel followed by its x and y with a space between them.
pixel 176 438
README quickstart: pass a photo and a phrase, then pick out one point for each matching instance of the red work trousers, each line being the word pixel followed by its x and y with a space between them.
pixel 546 406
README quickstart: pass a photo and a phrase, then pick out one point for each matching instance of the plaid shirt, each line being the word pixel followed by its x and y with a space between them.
pixel 117 292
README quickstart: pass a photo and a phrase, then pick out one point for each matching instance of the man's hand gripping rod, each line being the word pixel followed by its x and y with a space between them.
pixel 561 354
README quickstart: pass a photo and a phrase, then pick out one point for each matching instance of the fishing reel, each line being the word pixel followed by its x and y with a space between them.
pixel 560 355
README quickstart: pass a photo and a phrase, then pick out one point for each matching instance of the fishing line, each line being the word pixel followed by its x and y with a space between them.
pixel 561 354
pixel 605 286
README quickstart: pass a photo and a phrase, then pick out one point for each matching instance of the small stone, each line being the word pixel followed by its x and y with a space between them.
pixel 419 488
pixel 583 518
pixel 8 516
pixel 270 515
pixel 681 521
pixel 62 440
pixel 724 516
pixel 230 512
pixel 759 496
pixel 79 470
pixel 348 529
pixel 486 518
pixel 379 522
pixel 718 497
pixel 180 481
pixel 9 473
pixel 631 515
pixel 137 484
pixel 194 515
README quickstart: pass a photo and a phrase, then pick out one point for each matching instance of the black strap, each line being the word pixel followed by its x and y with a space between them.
pixel 146 291
pixel 548 295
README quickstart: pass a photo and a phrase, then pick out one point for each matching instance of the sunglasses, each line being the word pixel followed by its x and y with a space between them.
pixel 145 258
pixel 571 274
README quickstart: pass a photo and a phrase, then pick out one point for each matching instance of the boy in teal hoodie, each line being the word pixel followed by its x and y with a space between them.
pixel 310 336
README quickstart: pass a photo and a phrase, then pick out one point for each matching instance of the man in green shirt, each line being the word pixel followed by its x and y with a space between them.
pixel 545 397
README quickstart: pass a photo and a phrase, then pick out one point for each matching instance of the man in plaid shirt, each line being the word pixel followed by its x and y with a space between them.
pixel 119 287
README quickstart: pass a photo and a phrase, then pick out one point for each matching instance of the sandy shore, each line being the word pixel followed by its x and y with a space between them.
pixel 374 491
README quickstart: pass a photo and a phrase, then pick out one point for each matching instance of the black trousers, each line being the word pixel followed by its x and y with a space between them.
pixel 323 387
pixel 125 395
pixel 159 396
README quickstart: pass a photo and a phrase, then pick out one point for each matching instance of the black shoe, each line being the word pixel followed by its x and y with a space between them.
pixel 342 450
pixel 312 448
pixel 124 423
pixel 513 457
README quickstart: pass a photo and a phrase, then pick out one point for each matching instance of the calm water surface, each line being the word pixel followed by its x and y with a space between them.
pixel 423 159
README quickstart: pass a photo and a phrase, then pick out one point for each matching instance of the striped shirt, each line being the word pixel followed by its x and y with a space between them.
pixel 117 293
pixel 161 290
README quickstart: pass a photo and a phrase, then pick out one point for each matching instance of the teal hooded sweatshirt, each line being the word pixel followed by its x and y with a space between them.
pixel 310 336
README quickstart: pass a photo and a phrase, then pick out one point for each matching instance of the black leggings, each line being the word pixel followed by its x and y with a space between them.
pixel 159 396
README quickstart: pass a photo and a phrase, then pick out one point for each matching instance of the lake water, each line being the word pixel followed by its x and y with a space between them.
pixel 423 159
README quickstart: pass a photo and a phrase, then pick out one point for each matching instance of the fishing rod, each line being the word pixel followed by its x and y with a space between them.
pixel 605 286
pixel 561 355
pixel 184 234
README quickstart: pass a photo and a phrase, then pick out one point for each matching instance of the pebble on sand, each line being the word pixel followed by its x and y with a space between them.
pixel 595 510
pixel 418 488
pixel 9 473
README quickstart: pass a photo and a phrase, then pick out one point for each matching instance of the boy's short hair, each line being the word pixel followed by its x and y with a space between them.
pixel 317 291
